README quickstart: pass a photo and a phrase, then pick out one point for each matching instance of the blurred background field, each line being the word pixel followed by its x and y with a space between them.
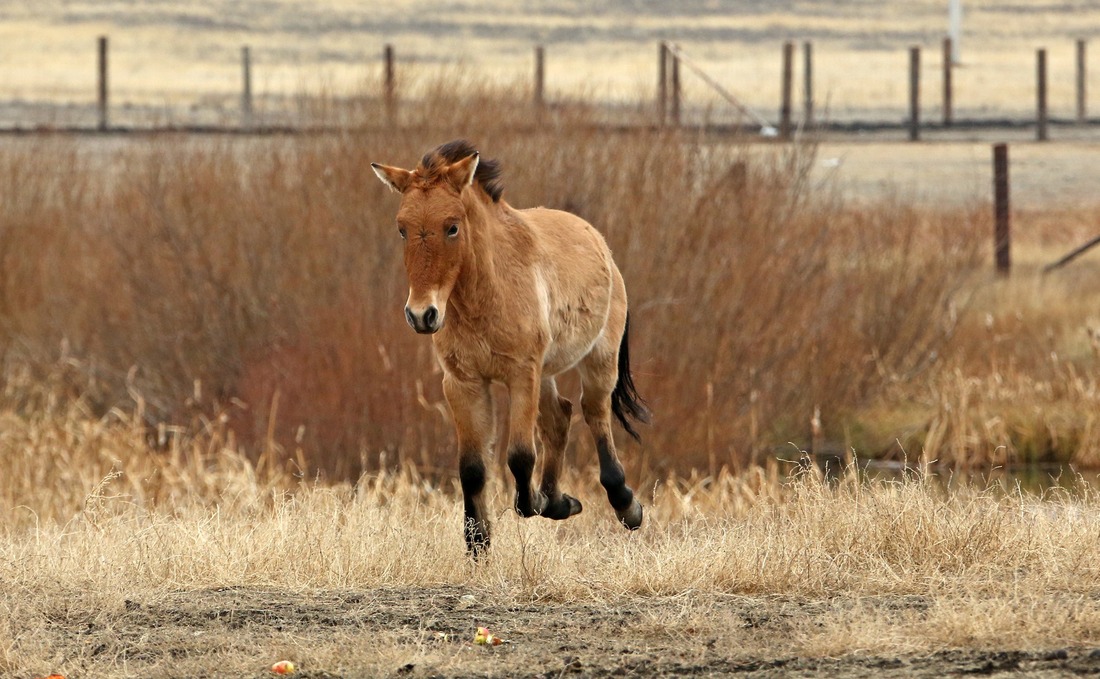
pixel 832 296
pixel 257 282
pixel 221 445
pixel 178 63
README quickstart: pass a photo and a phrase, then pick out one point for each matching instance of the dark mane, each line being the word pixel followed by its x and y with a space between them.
pixel 487 173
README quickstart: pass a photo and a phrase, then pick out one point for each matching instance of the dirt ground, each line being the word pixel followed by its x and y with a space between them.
pixel 428 632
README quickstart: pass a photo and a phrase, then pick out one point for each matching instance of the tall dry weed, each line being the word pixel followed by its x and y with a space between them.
pixel 259 280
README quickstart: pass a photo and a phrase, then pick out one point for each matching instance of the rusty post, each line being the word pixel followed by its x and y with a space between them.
pixel 390 86
pixel 540 75
pixel 675 86
pixel 1001 236
pixel 246 88
pixel 948 105
pixel 662 82
pixel 914 93
pixel 1082 79
pixel 1041 95
pixel 808 84
pixel 786 86
pixel 102 98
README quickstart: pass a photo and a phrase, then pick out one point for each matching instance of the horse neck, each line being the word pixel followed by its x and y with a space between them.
pixel 477 284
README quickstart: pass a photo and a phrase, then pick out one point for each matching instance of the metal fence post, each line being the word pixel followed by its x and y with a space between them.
pixel 246 88
pixel 102 82
pixel 1041 95
pixel 914 93
pixel 1001 235
pixel 786 86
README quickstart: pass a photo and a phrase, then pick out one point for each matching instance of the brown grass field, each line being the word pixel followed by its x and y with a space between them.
pixel 188 562
pixel 221 446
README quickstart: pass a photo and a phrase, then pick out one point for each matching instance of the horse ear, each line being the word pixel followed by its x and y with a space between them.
pixel 393 177
pixel 461 172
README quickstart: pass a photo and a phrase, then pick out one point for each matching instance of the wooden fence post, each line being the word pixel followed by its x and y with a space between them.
pixel 1041 95
pixel 914 93
pixel 540 76
pixel 1082 79
pixel 662 83
pixel 389 87
pixel 675 86
pixel 947 66
pixel 1001 236
pixel 102 98
pixel 808 84
pixel 246 88
pixel 785 104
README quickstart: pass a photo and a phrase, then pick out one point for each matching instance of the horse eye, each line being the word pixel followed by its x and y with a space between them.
pixel 402 232
pixel 452 231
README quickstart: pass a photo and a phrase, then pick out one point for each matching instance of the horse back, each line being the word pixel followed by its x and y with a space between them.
pixel 573 276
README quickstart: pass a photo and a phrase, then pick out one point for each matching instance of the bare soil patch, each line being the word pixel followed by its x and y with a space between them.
pixel 424 632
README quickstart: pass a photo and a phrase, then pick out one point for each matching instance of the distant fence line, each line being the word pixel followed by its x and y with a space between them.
pixel 669 106
pixel 669 100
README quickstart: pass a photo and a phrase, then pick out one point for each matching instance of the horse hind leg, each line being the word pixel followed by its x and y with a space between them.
pixel 555 413
pixel 599 373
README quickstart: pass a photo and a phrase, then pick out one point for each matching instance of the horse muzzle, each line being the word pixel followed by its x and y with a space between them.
pixel 425 322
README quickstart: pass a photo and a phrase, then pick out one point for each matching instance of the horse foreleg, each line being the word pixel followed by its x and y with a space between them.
pixel 554 416
pixel 524 391
pixel 472 408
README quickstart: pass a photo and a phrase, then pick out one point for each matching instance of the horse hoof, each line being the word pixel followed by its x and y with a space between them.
pixel 535 507
pixel 477 539
pixel 631 517
pixel 562 508
pixel 575 506
pixel 477 550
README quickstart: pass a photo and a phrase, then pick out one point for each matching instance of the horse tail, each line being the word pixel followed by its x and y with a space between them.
pixel 625 401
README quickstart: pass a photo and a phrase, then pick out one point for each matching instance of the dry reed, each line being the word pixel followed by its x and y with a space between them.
pixel 257 281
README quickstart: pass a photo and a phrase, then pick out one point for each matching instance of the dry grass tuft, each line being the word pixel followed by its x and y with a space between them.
pixel 116 558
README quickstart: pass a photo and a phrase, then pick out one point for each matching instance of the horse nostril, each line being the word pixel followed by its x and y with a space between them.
pixel 430 317
pixel 410 317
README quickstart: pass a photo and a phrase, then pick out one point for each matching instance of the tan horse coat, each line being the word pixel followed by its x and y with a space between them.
pixel 516 297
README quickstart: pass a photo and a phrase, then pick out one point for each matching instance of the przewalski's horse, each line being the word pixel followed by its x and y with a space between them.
pixel 517 297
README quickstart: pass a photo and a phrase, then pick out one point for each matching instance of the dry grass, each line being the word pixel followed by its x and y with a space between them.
pixel 202 350
pixel 118 560
pixel 255 284
pixel 1018 380
pixel 258 282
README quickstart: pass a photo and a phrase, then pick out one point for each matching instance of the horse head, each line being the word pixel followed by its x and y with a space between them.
pixel 432 221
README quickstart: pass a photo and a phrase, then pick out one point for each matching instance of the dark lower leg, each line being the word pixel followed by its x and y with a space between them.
pixel 521 461
pixel 472 475
pixel 612 476
pixel 599 379
pixel 554 416
pixel 472 409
